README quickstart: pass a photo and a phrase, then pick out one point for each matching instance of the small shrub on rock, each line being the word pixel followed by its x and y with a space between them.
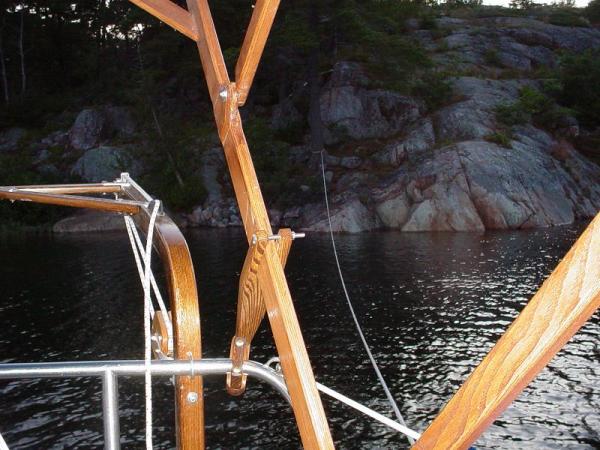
pixel 512 114
pixel 434 89
pixel 532 106
pixel 580 79
pixel 501 138
pixel 567 17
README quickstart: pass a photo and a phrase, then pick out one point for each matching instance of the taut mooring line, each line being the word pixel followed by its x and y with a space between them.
pixel 356 322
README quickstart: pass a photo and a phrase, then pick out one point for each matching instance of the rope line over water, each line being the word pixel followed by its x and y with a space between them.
pixel 384 385
pixel 144 256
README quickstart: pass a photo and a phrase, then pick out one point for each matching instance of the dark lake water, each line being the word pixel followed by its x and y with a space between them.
pixel 431 304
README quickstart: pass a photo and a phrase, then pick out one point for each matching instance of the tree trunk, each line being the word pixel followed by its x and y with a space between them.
pixel 314 110
pixel 22 53
pixel 3 71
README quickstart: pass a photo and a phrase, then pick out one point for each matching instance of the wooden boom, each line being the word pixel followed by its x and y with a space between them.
pixel 566 300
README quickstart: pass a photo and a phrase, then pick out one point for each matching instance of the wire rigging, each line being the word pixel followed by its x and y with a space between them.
pixel 384 385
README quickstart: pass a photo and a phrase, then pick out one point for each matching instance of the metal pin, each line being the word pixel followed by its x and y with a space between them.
pixel 223 94
pixel 239 342
pixel 298 235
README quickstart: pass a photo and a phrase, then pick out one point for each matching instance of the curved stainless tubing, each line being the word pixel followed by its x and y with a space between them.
pixel 204 367
pixel 109 371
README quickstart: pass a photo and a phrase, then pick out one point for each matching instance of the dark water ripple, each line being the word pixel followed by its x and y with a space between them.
pixel 431 306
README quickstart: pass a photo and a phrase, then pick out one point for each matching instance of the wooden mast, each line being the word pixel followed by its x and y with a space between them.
pixel 270 279
pixel 566 300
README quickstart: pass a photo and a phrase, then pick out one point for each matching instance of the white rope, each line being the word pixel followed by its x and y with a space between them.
pixel 3 445
pixel 148 283
pixel 369 412
pixel 147 331
pixel 384 385
pixel 138 249
pixel 157 293
pixel 132 233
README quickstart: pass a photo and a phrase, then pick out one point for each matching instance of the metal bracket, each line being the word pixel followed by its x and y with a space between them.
pixel 236 379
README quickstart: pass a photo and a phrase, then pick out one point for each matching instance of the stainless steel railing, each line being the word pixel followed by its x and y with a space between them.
pixel 110 371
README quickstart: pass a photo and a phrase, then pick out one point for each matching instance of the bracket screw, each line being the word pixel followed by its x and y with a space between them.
pixel 223 94
pixel 192 397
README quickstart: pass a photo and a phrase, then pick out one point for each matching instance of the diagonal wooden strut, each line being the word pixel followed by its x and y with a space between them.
pixel 254 45
pixel 271 281
pixel 171 14
pixel 566 300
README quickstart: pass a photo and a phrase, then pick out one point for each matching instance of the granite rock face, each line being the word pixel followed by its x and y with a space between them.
pixel 393 163
pixel 90 221
pixel 10 139
pixel 476 185
pixel 87 129
pixel 105 164
pixel 350 110
pixel 93 126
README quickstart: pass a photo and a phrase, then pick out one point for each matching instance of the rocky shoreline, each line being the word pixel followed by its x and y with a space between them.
pixel 391 160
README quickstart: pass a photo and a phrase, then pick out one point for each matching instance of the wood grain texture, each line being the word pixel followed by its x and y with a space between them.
pixel 171 14
pixel 566 300
pixel 209 48
pixel 73 201
pixel 254 45
pixel 160 331
pixel 91 188
pixel 306 402
pixel 185 312
pixel 251 308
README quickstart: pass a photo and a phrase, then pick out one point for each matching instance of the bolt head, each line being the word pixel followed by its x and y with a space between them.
pixel 192 397
pixel 223 94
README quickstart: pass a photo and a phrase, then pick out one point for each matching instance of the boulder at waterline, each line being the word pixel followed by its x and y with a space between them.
pixel 105 164
pixel 88 221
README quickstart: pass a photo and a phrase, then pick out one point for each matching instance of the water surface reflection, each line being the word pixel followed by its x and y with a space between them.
pixel 431 304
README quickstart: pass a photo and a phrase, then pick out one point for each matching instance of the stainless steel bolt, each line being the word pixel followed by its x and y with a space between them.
pixel 192 397
pixel 223 94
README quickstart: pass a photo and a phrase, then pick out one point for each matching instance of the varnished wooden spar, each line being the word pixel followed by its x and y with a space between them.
pixel 171 14
pixel 73 201
pixel 90 188
pixel 566 300
pixel 225 97
pixel 253 46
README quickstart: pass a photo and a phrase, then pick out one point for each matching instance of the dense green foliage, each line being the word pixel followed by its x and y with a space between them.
pixel 592 11
pixel 580 80
pixel 532 106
